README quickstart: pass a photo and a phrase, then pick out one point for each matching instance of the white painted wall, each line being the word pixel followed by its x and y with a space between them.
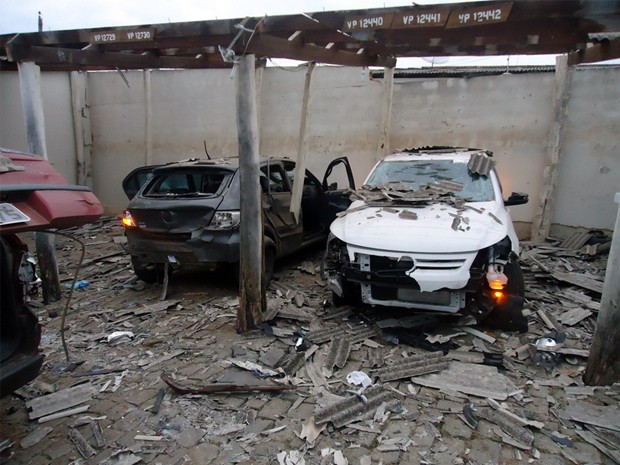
pixel 59 133
pixel 508 114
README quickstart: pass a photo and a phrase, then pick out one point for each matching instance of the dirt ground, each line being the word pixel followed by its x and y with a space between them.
pixel 493 397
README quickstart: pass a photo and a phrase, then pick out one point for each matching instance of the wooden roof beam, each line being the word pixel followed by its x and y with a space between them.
pixel 94 59
pixel 602 51
pixel 270 46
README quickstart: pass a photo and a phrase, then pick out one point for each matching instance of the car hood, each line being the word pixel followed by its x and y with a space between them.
pixel 481 224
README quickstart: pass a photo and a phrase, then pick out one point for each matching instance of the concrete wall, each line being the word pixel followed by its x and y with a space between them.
pixel 508 114
pixel 59 133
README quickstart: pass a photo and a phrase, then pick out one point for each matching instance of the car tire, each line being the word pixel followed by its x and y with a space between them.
pixel 508 315
pixel 148 273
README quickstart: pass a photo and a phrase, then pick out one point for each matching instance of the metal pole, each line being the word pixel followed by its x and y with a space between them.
pixel 252 298
pixel 32 103
pixel 603 366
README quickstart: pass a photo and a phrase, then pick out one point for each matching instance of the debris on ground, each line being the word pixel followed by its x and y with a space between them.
pixel 171 382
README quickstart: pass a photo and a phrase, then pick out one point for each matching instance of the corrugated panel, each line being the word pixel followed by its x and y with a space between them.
pixel 413 366
pixel 357 408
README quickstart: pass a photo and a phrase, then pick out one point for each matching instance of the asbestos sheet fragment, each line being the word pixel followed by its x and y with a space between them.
pixel 476 380
pixel 412 366
pixel 292 363
pixel 123 457
pixel 355 409
pixel 357 334
pixel 83 447
pixel 310 431
pixel 508 425
pixel 408 215
pixel 579 279
pixel 605 417
pixel 293 457
pixel 480 163
pixel 35 436
pixel 338 355
pixel 60 400
pixel 574 316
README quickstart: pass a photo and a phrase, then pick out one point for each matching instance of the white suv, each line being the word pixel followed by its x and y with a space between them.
pixel 429 230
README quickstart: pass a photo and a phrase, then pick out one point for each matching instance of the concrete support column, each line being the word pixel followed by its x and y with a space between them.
pixel 148 106
pixel 603 368
pixel 32 103
pixel 302 147
pixel 82 128
pixel 383 145
pixel 252 299
pixel 546 201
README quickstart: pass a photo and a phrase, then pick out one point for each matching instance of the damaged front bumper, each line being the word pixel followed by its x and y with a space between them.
pixel 435 282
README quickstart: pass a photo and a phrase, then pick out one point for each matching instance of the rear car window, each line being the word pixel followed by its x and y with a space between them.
pixel 187 183
pixel 418 174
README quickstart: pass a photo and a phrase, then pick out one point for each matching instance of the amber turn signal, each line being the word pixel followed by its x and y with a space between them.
pixel 128 219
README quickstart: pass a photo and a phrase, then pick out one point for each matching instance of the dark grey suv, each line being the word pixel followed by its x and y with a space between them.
pixel 187 213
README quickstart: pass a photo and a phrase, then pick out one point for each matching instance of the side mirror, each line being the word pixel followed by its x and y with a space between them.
pixel 517 198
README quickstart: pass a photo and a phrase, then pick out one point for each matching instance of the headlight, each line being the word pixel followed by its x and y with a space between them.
pixel 225 220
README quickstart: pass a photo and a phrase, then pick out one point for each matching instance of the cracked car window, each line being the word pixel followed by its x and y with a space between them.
pixel 187 184
pixel 421 173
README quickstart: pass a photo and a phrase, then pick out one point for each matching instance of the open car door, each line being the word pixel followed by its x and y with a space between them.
pixel 337 195
pixel 134 181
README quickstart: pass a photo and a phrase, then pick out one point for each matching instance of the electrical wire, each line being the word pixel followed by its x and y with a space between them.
pixel 75 276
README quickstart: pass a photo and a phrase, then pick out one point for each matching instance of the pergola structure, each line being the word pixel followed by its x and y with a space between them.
pixel 373 37
pixel 581 31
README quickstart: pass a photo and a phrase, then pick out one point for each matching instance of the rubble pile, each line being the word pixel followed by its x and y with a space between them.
pixel 171 382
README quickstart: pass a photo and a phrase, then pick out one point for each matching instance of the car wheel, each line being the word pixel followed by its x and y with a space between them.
pixel 150 273
pixel 508 313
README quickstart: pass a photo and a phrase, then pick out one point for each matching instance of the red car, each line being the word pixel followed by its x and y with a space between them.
pixel 33 197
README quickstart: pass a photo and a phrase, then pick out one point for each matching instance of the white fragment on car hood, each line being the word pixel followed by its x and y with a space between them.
pixel 432 232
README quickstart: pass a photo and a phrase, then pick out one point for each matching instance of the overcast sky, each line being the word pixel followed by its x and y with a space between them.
pixel 21 16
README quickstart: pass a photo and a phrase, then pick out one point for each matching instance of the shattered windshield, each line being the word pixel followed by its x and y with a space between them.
pixel 426 176
pixel 187 183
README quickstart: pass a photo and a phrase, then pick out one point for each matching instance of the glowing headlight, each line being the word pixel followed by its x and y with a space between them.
pixel 225 220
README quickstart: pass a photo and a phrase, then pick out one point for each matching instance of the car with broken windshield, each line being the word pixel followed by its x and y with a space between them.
pixel 187 214
pixel 429 230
